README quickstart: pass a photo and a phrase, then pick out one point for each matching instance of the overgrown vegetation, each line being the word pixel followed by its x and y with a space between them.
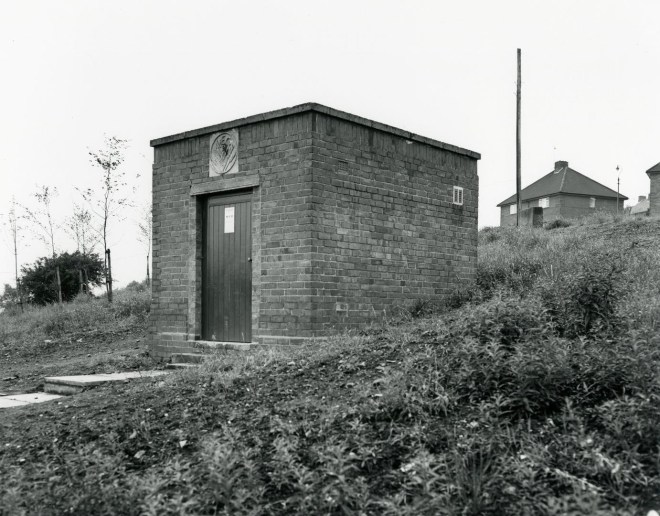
pixel 84 336
pixel 557 223
pixel 33 330
pixel 538 393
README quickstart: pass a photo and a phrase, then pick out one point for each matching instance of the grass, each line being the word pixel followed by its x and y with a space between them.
pixel 83 337
pixel 27 331
pixel 538 393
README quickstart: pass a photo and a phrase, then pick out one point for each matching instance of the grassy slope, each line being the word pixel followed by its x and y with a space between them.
pixel 540 396
pixel 83 337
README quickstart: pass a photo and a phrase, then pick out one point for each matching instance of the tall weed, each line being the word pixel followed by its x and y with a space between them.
pixel 584 301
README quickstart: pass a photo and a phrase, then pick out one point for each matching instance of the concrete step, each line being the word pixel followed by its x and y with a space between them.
pixel 181 365
pixel 187 358
pixel 213 345
pixel 75 384
pixel 19 400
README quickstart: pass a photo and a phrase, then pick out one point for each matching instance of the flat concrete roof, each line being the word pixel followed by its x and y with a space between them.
pixel 311 106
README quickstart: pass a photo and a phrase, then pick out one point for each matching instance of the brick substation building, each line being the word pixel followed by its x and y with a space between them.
pixel 300 223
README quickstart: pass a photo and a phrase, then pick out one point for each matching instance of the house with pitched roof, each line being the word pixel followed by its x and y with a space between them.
pixel 563 193
pixel 642 206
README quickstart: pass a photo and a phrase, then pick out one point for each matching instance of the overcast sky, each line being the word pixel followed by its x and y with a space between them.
pixel 73 71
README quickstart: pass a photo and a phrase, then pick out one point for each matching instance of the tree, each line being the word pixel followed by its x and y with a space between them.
pixel 40 283
pixel 108 159
pixel 41 219
pixel 14 228
pixel 10 297
pixel 145 235
pixel 42 223
pixel 80 226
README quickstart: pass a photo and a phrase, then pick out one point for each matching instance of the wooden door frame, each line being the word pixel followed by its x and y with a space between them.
pixel 223 199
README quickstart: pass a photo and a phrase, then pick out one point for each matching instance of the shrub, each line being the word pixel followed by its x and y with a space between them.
pixel 518 275
pixel 137 286
pixel 557 223
pixel 39 280
pixel 459 297
pixel 489 234
pixel 513 261
pixel 504 320
pixel 131 304
pixel 511 347
pixel 632 419
pixel 421 308
pixel 585 301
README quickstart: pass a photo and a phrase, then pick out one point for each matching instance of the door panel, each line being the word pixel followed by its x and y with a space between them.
pixel 227 269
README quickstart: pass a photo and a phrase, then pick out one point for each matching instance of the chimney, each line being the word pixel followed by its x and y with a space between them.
pixel 560 166
pixel 641 198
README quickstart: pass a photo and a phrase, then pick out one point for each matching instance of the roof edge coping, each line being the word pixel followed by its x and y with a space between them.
pixel 312 106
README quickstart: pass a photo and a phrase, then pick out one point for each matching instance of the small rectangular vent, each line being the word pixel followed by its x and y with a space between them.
pixel 343 166
pixel 458 196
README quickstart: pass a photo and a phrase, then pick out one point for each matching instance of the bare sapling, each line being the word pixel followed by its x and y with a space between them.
pixel 107 205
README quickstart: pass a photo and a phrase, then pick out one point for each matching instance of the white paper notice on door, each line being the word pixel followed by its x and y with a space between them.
pixel 229 219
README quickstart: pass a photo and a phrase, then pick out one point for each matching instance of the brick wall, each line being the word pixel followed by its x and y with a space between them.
pixel 387 232
pixel 173 165
pixel 281 152
pixel 564 207
pixel 654 196
pixel 277 153
pixel 573 206
pixel 334 244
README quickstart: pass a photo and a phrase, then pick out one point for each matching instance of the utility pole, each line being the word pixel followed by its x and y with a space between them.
pixel 518 200
pixel 618 178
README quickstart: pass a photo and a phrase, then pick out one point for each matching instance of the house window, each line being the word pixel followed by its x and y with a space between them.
pixel 513 209
pixel 544 202
pixel 592 202
pixel 458 196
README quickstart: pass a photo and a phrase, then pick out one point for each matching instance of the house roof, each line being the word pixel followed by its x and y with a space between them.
pixel 318 108
pixel 640 207
pixel 563 179
pixel 654 168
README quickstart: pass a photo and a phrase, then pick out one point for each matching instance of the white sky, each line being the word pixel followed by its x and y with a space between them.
pixel 73 71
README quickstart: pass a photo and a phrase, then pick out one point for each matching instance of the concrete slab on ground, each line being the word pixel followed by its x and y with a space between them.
pixel 75 384
pixel 179 365
pixel 213 345
pixel 18 400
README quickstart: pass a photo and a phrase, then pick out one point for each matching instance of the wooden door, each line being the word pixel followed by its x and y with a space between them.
pixel 227 269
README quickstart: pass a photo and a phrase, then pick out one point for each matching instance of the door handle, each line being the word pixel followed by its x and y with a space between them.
pixel 249 259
